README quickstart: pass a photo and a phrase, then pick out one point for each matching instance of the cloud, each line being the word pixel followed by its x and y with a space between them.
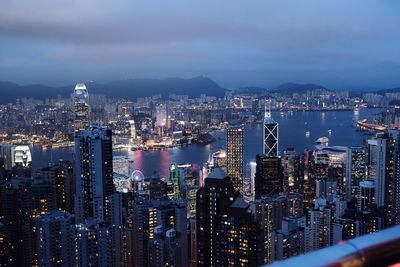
pixel 290 37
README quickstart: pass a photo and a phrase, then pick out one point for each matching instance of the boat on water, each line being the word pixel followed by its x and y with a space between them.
pixel 308 133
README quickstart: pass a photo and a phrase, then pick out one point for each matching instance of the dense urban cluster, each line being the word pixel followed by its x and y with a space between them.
pixel 161 122
pixel 93 212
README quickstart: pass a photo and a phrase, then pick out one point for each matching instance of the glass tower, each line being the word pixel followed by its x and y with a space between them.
pixel 270 145
pixel 81 108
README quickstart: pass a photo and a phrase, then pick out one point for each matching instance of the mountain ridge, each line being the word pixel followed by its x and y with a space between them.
pixel 128 89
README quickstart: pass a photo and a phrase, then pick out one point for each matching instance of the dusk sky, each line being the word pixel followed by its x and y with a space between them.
pixel 336 43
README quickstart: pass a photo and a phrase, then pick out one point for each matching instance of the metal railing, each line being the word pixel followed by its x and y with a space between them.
pixel 378 249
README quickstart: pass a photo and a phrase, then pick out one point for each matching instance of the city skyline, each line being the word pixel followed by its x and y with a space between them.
pixel 276 141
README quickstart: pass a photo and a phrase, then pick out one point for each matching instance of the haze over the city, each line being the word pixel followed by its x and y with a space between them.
pixel 339 44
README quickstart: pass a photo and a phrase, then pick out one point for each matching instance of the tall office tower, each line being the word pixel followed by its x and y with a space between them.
pixel 289 239
pixel 91 244
pixel 321 225
pixel 293 171
pixel 366 195
pixel 385 147
pixel 268 179
pixel 270 134
pixel 355 171
pixel 81 108
pixel 213 201
pixel 94 180
pixel 53 239
pixel 238 242
pixel 343 229
pixel 235 155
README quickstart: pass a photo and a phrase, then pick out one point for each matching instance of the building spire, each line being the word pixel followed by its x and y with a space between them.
pixel 267 114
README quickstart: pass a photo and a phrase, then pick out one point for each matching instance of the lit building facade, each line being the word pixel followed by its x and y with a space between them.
pixel 81 108
pixel 235 155
pixel 94 174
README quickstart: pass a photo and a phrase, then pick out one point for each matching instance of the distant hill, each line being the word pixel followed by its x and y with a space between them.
pixel 128 89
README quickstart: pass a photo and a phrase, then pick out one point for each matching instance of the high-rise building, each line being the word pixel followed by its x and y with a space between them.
pixel 213 202
pixel 81 108
pixel 270 134
pixel 321 225
pixel 161 119
pixel 386 150
pixel 343 229
pixel 53 239
pixel 132 130
pixel 293 171
pixel 268 179
pixel 61 176
pixel 235 155
pixel 240 233
pixel 355 171
pixel 263 210
pixel 23 200
pixel 91 244
pixel 249 182
pixel 94 170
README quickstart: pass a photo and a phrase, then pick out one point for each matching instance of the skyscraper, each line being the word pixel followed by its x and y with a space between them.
pixel 270 134
pixel 235 152
pixel 81 108
pixel 355 170
pixel 385 171
pixel 93 168
pixel 268 179
pixel 213 202
pixel 293 171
